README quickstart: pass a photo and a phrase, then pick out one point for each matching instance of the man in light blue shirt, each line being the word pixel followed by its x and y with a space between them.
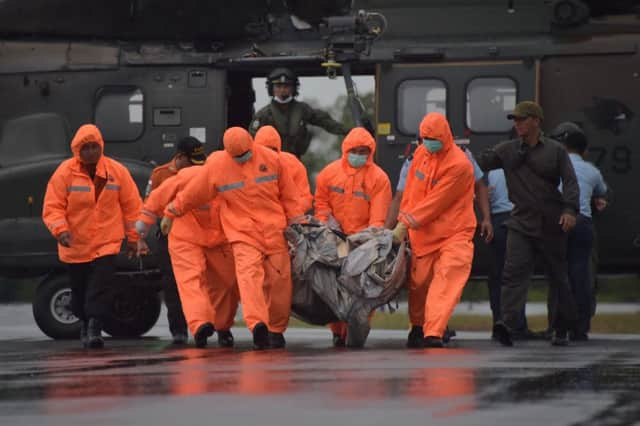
pixel 580 242
pixel 498 195
pixel 500 212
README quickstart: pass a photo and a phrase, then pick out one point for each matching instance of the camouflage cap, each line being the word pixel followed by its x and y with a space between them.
pixel 526 109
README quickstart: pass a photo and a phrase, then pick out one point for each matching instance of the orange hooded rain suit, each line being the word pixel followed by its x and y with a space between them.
pixel 258 197
pixel 269 137
pixel 97 213
pixel 200 255
pixel 357 198
pixel 437 208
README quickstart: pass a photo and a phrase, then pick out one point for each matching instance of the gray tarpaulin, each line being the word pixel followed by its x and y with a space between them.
pixel 331 285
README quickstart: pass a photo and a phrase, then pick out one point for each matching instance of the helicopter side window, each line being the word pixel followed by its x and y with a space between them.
pixel 489 100
pixel 119 113
pixel 416 98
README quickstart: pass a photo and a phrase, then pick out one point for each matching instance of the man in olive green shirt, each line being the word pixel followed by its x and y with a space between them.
pixel 290 117
pixel 540 220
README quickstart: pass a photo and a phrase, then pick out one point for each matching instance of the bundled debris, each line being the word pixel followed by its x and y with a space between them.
pixel 344 279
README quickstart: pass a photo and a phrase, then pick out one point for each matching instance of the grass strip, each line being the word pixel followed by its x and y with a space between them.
pixel 624 323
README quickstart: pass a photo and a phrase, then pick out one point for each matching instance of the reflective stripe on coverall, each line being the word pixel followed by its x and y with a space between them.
pixel 356 197
pixel 97 226
pixel 269 137
pixel 200 255
pixel 437 207
pixel 258 197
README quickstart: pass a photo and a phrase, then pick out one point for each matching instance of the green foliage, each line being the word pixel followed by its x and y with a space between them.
pixel 611 289
pixel 601 323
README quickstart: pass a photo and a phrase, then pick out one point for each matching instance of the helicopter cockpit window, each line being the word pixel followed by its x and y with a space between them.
pixel 489 101
pixel 119 113
pixel 416 98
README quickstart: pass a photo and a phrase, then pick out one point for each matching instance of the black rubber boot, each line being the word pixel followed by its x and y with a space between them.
pixel 502 334
pixel 415 340
pixel 203 332
pixel 578 336
pixel 560 338
pixel 448 335
pixel 225 339
pixel 338 341
pixel 276 340
pixel 433 342
pixel 260 336
pixel 94 334
pixel 180 338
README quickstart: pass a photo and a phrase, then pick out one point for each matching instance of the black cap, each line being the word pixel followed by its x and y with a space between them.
pixel 192 148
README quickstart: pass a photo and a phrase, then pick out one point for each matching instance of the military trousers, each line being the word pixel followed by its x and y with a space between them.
pixel 518 269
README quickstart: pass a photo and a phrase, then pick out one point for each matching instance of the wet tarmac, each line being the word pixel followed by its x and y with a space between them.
pixel 473 382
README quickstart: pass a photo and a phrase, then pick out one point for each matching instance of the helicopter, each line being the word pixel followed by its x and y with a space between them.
pixel 148 73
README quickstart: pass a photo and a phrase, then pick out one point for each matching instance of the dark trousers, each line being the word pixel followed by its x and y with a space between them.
pixel 593 270
pixel 498 248
pixel 177 322
pixel 579 247
pixel 518 268
pixel 91 284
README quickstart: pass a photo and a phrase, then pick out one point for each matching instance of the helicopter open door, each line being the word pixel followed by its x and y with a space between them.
pixel 475 97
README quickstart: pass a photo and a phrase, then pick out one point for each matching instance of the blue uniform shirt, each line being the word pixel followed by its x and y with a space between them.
pixel 498 195
pixel 402 179
pixel 590 182
pixel 477 171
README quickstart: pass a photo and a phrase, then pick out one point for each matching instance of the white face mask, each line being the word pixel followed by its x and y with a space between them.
pixel 283 101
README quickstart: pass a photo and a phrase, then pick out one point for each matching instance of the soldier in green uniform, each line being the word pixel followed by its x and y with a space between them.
pixel 289 116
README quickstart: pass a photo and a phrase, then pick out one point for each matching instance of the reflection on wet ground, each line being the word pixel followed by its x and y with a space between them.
pixel 597 382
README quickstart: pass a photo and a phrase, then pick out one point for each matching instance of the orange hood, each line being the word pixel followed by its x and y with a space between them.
pixel 269 137
pixel 237 141
pixel 358 136
pixel 435 126
pixel 85 134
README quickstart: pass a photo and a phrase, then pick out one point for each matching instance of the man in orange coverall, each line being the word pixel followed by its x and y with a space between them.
pixel 258 197
pixel 189 152
pixel 437 208
pixel 269 137
pixel 201 258
pixel 90 204
pixel 355 193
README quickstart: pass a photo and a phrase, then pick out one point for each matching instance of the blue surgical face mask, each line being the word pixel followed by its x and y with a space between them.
pixel 357 160
pixel 432 145
pixel 243 158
